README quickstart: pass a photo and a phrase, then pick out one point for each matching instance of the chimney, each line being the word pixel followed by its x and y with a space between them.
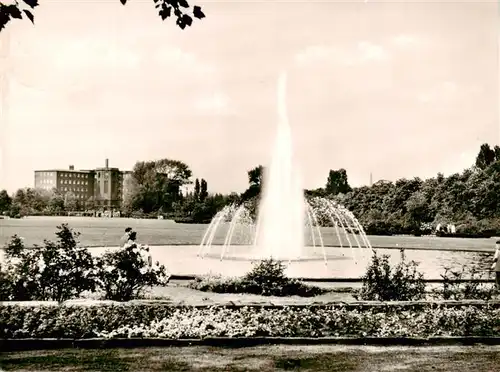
pixel 106 163
pixel 71 167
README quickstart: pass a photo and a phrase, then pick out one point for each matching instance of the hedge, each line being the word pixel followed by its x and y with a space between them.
pixel 163 320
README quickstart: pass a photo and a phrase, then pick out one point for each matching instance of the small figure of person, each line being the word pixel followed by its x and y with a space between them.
pixel 496 264
pixel 132 236
pixel 124 239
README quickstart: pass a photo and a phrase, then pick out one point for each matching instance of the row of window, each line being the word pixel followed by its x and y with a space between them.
pixel 75 182
pixel 79 196
pixel 74 189
pixel 46 174
pixel 47 181
pixel 73 175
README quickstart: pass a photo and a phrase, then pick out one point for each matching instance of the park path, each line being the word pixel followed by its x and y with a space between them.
pixel 179 293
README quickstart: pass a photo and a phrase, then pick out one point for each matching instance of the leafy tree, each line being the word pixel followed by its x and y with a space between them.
pixel 496 149
pixel 417 208
pixel 180 9
pixel 203 190
pixel 255 176
pixel 159 184
pixel 197 189
pixel 70 202
pixel 320 192
pixel 485 157
pixel 20 197
pixel 130 188
pixel 337 182
pixel 89 204
pixel 56 203
pixel 5 201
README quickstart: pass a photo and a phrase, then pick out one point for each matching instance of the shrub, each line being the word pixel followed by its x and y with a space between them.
pixel 124 274
pixel 268 275
pixel 63 270
pixel 57 271
pixel 470 289
pixel 381 282
pixel 267 278
pixel 5 285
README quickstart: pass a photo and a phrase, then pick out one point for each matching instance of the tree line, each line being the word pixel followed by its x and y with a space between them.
pixel 469 200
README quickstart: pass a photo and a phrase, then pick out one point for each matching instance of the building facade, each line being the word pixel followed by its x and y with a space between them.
pixel 108 187
pixel 102 187
pixel 78 182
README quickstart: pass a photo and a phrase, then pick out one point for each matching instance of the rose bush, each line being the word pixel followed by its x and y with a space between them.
pixel 124 274
pixel 56 271
pixel 165 321
pixel 64 270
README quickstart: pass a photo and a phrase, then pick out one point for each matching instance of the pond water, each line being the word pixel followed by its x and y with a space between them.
pixel 341 263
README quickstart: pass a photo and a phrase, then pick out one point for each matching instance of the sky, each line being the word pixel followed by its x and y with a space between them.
pixel 396 89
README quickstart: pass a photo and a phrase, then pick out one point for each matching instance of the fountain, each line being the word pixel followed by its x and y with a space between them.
pixel 285 218
pixel 280 222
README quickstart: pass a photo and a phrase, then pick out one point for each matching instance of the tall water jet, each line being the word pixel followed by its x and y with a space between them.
pixel 281 215
pixel 285 218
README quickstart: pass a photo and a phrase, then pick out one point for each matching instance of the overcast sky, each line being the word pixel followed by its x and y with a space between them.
pixel 399 89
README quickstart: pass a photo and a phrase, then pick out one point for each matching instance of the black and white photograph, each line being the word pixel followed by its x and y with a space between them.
pixel 249 185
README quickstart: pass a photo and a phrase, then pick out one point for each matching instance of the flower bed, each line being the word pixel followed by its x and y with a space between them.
pixel 160 320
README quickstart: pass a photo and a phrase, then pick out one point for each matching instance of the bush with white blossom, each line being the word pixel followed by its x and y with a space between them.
pixel 55 271
pixel 128 271
pixel 65 270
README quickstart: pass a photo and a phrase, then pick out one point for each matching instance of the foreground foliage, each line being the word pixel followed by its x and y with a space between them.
pixel 382 282
pixel 267 278
pixel 466 284
pixel 165 9
pixel 56 271
pixel 164 321
pixel 64 270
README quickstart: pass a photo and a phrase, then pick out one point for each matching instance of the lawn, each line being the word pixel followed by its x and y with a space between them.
pixel 327 358
pixel 107 232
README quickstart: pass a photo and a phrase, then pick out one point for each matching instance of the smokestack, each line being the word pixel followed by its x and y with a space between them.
pixel 106 163
pixel 71 167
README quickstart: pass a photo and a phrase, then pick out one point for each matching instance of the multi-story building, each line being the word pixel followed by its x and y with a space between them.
pixel 78 182
pixel 108 187
pixel 102 186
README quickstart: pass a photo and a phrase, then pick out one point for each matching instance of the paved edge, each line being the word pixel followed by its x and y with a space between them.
pixel 10 345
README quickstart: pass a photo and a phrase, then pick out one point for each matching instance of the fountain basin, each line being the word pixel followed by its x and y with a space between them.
pixel 183 260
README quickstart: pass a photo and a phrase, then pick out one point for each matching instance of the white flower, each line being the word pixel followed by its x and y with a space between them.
pixel 41 264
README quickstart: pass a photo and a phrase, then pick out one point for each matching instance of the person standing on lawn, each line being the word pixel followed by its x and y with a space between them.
pixel 496 264
pixel 124 239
